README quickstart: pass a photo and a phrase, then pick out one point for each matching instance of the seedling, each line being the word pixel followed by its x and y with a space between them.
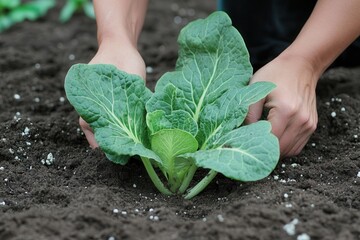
pixel 13 11
pixel 73 6
pixel 193 119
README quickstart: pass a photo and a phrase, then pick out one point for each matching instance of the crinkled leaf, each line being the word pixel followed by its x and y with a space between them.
pixel 169 99
pixel 212 59
pixel 165 111
pixel 113 103
pixel 229 112
pixel 178 119
pixel 248 153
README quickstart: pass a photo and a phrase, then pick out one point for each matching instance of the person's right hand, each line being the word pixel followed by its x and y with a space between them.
pixel 125 57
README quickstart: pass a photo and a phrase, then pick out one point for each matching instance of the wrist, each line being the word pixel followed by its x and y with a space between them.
pixel 120 38
pixel 308 62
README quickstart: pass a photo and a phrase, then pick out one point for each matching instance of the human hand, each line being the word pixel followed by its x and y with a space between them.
pixel 292 105
pixel 124 57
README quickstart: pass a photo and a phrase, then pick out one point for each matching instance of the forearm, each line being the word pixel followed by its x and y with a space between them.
pixel 331 28
pixel 120 19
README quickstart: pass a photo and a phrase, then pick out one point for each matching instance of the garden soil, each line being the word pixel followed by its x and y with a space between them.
pixel 84 196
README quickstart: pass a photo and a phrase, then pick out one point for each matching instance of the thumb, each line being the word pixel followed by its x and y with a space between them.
pixel 255 112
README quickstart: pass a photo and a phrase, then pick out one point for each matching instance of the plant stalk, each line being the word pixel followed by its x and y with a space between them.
pixel 201 185
pixel 189 176
pixel 154 177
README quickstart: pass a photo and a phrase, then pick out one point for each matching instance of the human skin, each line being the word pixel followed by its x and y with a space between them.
pixel 332 26
pixel 119 24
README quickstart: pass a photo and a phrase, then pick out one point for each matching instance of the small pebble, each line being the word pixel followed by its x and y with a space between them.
pixel 177 19
pixel 358 175
pixel 115 210
pixel 333 114
pixel 290 227
pixel 17 96
pixel 220 218
pixel 149 69
pixel 71 57
pixel 303 236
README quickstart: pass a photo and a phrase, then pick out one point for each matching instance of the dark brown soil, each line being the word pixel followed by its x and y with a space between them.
pixel 75 197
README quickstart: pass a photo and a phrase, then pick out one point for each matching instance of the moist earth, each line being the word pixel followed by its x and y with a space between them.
pixel 82 195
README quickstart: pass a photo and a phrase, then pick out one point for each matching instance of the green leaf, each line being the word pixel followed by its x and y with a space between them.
pixel 29 11
pixel 178 119
pixel 121 159
pixel 168 144
pixel 229 111
pixel 165 111
pixel 67 11
pixel 113 103
pixel 248 153
pixel 89 9
pixel 9 4
pixel 5 23
pixel 212 59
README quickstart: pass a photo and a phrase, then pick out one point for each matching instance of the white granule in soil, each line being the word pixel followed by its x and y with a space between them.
pixel 290 227
pixel 303 236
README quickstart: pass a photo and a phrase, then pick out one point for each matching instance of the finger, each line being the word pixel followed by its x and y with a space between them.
pixel 300 144
pixel 88 133
pixel 278 121
pixel 255 112
pixel 308 129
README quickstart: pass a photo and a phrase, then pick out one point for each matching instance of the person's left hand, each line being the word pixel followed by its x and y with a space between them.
pixel 292 105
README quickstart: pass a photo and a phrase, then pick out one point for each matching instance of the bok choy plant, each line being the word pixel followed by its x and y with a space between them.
pixel 192 120
pixel 73 6
pixel 13 11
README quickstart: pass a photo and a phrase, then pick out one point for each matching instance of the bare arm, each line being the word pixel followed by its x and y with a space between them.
pixel 120 19
pixel 332 26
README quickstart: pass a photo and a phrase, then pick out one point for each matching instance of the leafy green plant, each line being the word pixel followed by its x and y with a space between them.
pixel 72 6
pixel 193 119
pixel 13 11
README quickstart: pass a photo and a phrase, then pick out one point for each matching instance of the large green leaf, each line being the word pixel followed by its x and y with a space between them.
pixel 248 153
pixel 229 111
pixel 212 59
pixel 113 103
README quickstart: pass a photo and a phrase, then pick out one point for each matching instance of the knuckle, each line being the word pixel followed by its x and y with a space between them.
pixel 304 118
pixel 311 125
pixel 290 110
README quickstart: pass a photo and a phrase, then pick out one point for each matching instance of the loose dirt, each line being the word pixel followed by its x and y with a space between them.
pixel 82 195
